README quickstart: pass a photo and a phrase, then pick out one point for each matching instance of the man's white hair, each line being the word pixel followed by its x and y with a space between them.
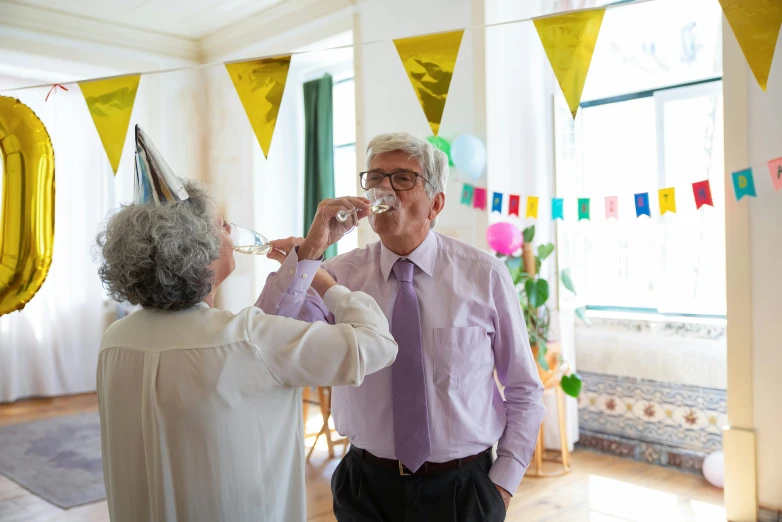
pixel 433 161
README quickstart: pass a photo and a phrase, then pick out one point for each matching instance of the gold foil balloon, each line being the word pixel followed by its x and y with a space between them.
pixel 26 204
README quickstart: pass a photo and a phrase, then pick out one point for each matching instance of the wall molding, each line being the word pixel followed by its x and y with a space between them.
pixel 68 26
pixel 290 16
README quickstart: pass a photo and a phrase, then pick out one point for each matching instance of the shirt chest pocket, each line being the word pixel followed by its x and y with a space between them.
pixel 462 356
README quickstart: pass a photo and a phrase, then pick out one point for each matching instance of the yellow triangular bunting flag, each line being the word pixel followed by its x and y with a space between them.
pixel 260 85
pixel 756 24
pixel 110 103
pixel 429 61
pixel 569 41
pixel 667 200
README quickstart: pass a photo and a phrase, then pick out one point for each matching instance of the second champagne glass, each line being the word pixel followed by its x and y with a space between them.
pixel 248 241
pixel 381 199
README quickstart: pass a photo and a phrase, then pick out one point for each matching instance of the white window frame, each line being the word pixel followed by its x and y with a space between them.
pixel 661 95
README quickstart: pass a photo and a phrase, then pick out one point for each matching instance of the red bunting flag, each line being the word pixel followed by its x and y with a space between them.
pixel 702 192
pixel 479 200
pixel 513 205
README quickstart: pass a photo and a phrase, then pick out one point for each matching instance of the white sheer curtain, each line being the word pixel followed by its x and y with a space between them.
pixel 51 347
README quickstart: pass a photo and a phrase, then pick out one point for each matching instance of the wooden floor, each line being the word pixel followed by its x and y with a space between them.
pixel 599 489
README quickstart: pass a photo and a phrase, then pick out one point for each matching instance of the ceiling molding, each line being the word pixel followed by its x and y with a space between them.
pixel 228 43
pixel 56 23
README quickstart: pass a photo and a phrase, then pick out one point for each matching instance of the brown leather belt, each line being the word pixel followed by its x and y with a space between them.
pixel 427 468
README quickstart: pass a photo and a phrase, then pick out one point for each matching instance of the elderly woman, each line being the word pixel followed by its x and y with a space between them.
pixel 200 408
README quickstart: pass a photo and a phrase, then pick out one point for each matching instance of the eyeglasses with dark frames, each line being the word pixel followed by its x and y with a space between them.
pixel 400 180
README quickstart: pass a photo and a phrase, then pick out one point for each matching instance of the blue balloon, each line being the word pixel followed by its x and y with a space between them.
pixel 469 155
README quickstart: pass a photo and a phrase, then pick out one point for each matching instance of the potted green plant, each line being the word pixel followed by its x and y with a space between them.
pixel 533 293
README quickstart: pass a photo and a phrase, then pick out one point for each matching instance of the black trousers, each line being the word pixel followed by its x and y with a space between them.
pixel 366 492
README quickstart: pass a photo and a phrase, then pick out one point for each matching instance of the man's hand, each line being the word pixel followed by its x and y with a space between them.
pixel 282 247
pixel 505 496
pixel 320 235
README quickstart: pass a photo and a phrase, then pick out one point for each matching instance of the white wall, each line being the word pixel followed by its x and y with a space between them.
pixel 254 191
pixel 388 102
pixel 764 113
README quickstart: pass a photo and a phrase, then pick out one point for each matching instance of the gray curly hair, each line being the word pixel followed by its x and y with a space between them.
pixel 433 161
pixel 159 256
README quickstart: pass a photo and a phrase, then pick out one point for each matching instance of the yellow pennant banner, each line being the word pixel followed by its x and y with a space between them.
pixel 667 200
pixel 569 41
pixel 110 103
pixel 532 207
pixel 260 85
pixel 756 24
pixel 429 61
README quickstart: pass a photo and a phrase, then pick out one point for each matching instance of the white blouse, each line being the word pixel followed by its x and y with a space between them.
pixel 200 409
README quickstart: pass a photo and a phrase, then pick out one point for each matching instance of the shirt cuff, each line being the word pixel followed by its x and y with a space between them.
pixel 507 472
pixel 296 276
pixel 333 297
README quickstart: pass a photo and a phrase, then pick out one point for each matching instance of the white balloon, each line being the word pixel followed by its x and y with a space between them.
pixel 469 155
pixel 714 469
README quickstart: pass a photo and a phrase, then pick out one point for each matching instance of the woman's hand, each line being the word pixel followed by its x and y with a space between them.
pixel 320 236
pixel 282 247
pixel 322 282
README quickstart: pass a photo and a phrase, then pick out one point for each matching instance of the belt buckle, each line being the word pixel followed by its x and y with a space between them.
pixel 402 470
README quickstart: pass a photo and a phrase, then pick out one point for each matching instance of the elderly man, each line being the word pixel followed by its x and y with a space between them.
pixel 421 431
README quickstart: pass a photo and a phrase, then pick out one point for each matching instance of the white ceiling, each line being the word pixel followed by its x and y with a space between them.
pixel 192 19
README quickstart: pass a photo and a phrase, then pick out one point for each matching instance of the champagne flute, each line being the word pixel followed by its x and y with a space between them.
pixel 342 223
pixel 381 199
pixel 248 241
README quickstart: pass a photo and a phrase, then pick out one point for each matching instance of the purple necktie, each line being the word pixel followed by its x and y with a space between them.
pixel 411 415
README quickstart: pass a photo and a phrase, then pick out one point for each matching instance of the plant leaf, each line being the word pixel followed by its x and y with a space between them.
pixel 538 262
pixel 545 250
pixel 567 280
pixel 571 384
pixel 513 263
pixel 528 234
pixel 537 292
pixel 520 278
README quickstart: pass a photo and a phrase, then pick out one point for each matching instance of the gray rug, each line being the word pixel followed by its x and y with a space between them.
pixel 57 459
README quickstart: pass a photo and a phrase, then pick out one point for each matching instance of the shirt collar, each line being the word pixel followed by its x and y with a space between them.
pixel 201 305
pixel 423 256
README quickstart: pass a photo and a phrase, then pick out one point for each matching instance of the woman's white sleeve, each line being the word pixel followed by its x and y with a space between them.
pixel 298 353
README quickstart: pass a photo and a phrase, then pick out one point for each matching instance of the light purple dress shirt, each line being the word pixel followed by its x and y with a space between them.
pixel 471 324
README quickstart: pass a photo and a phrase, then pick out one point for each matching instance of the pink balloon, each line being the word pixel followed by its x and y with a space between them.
pixel 504 238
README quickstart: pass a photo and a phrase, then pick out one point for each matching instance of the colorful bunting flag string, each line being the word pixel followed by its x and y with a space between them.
pixel 743 185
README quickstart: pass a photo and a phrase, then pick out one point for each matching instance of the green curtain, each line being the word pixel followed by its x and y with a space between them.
pixel 318 149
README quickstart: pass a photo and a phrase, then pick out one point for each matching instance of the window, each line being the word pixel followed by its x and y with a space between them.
pixel 642 140
pixel 345 174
